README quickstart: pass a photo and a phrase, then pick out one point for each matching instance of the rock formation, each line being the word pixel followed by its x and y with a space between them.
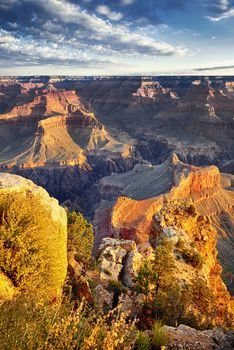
pixel 185 337
pixel 193 240
pixel 101 126
pixel 51 133
pixel 131 200
pixel 119 258
pixel 72 133
pixel 54 243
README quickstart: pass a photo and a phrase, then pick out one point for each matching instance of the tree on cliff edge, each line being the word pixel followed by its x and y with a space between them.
pixel 80 237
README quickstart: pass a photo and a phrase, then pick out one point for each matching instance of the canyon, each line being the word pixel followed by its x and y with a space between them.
pixel 149 161
pixel 119 148
pixel 65 133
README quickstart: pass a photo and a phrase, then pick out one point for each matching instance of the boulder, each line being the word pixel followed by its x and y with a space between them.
pixel 54 241
pixel 110 262
pixel 228 341
pixel 132 264
pixel 103 298
pixel 184 337
pixel 7 289
pixel 187 338
pixel 119 260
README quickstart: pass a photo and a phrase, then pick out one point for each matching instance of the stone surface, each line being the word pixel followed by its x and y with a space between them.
pixel 119 260
pixel 7 289
pixel 145 189
pixel 132 264
pixel 111 263
pixel 228 341
pixel 186 338
pixel 103 298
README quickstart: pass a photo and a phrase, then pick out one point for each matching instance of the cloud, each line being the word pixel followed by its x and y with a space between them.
pixel 6 4
pixel 36 53
pixel 220 10
pixel 61 32
pixel 117 37
pixel 127 2
pixel 213 68
pixel 104 10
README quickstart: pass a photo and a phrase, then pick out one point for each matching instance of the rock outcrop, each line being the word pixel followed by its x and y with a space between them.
pixel 143 191
pixel 119 260
pixel 194 242
pixel 193 245
pixel 131 200
pixel 188 338
pixel 54 243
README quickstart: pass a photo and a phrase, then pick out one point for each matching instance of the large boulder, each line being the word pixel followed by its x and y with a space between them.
pixel 119 260
pixel 188 338
pixel 52 237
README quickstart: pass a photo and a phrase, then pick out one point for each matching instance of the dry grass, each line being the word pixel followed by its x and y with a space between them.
pixel 26 326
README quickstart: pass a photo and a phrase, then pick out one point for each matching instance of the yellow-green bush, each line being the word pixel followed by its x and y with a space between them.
pixel 143 341
pixel 32 245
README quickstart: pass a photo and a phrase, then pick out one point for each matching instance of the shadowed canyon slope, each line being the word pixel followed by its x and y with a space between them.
pixel 77 130
pixel 193 117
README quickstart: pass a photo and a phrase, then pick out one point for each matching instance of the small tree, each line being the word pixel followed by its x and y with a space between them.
pixel 154 281
pixel 163 264
pixel 145 279
pixel 80 237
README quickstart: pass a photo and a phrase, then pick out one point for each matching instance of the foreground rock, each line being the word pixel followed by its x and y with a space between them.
pixel 53 243
pixel 119 260
pixel 187 338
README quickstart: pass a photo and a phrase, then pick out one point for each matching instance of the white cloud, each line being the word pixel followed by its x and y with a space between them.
pixel 68 35
pixel 7 4
pixel 117 37
pixel 36 52
pixel 226 11
pixel 104 10
pixel 225 15
pixel 5 37
pixel 223 4
pixel 127 2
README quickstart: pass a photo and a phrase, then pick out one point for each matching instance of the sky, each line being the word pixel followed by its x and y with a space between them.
pixel 116 37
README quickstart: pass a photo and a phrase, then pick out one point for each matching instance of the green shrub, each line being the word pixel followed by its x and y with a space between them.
pixel 143 341
pixel 117 286
pixel 80 237
pixel 32 246
pixel 193 258
pixel 159 336
pixel 145 279
pixel 192 210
